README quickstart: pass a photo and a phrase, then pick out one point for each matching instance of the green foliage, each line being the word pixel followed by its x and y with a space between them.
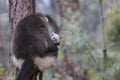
pixel 74 40
pixel 2 71
pixel 98 71
pixel 113 28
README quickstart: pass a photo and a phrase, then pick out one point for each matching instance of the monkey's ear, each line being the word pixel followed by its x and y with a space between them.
pixel 45 19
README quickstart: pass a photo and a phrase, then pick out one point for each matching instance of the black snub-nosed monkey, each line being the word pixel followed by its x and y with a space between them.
pixel 32 46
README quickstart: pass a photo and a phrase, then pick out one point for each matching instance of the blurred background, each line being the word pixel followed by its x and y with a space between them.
pixel 90 38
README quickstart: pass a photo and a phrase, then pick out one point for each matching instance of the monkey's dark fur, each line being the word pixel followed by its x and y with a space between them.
pixel 32 39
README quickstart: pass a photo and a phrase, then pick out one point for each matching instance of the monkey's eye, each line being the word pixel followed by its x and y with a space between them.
pixel 42 26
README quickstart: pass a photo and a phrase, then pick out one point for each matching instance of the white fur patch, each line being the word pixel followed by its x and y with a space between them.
pixel 17 62
pixel 43 63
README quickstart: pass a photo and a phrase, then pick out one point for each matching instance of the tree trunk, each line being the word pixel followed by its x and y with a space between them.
pixel 2 49
pixel 18 9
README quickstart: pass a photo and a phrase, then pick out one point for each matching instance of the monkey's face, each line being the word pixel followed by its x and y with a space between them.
pixel 39 24
pixel 43 20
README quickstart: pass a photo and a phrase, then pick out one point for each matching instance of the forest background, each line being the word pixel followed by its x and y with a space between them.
pixel 84 36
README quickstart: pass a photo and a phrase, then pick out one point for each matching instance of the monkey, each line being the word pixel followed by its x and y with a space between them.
pixel 32 45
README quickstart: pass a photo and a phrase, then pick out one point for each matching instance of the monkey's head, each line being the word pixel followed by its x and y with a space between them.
pixel 54 37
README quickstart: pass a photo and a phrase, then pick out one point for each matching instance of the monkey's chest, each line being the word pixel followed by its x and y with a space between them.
pixel 41 63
